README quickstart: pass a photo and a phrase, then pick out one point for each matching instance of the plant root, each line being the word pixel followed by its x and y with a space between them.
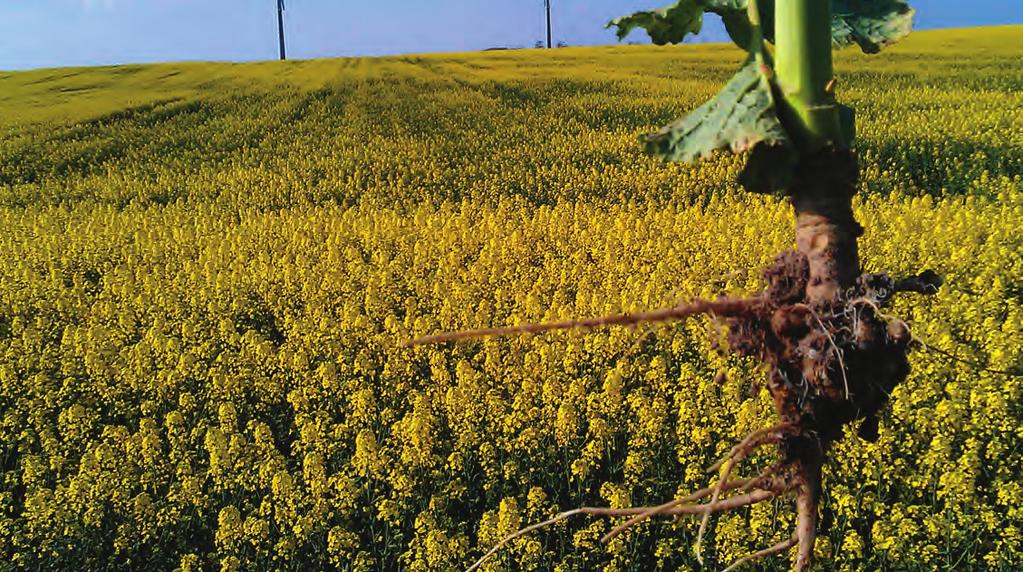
pixel 771 483
pixel 763 481
pixel 834 358
pixel 773 434
pixel 721 307
pixel 732 503
pixel 741 485
pixel 769 551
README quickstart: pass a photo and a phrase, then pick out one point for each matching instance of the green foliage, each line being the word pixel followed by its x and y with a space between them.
pixel 743 115
pixel 671 24
pixel 740 117
pixel 668 25
pixel 871 24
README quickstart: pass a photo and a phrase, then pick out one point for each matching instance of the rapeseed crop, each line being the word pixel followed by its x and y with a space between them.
pixel 204 289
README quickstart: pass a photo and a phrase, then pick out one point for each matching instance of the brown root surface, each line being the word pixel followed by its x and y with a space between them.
pixel 833 359
pixel 832 363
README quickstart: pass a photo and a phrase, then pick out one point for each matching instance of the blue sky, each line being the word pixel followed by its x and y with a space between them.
pixel 49 33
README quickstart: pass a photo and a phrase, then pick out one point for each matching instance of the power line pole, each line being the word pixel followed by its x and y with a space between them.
pixel 547 3
pixel 280 27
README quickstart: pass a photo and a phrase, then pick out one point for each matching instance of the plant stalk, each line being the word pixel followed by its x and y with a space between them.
pixel 805 72
pixel 821 192
pixel 825 180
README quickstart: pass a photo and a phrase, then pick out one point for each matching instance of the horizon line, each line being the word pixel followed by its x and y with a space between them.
pixel 646 44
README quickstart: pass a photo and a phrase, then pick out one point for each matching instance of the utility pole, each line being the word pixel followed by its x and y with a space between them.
pixel 547 3
pixel 280 27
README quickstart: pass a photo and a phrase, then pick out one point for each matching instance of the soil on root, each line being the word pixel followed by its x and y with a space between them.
pixel 831 363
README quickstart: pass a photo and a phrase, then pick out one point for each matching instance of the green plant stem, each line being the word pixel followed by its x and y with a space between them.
pixel 804 71
pixel 826 173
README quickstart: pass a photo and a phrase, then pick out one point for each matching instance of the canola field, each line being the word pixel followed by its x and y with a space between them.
pixel 207 272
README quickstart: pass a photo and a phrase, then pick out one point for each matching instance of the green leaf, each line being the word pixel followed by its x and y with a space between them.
pixel 722 6
pixel 872 24
pixel 739 28
pixel 668 25
pixel 742 116
pixel 671 24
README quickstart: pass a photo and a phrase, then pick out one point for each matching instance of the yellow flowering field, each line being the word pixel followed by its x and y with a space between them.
pixel 207 272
